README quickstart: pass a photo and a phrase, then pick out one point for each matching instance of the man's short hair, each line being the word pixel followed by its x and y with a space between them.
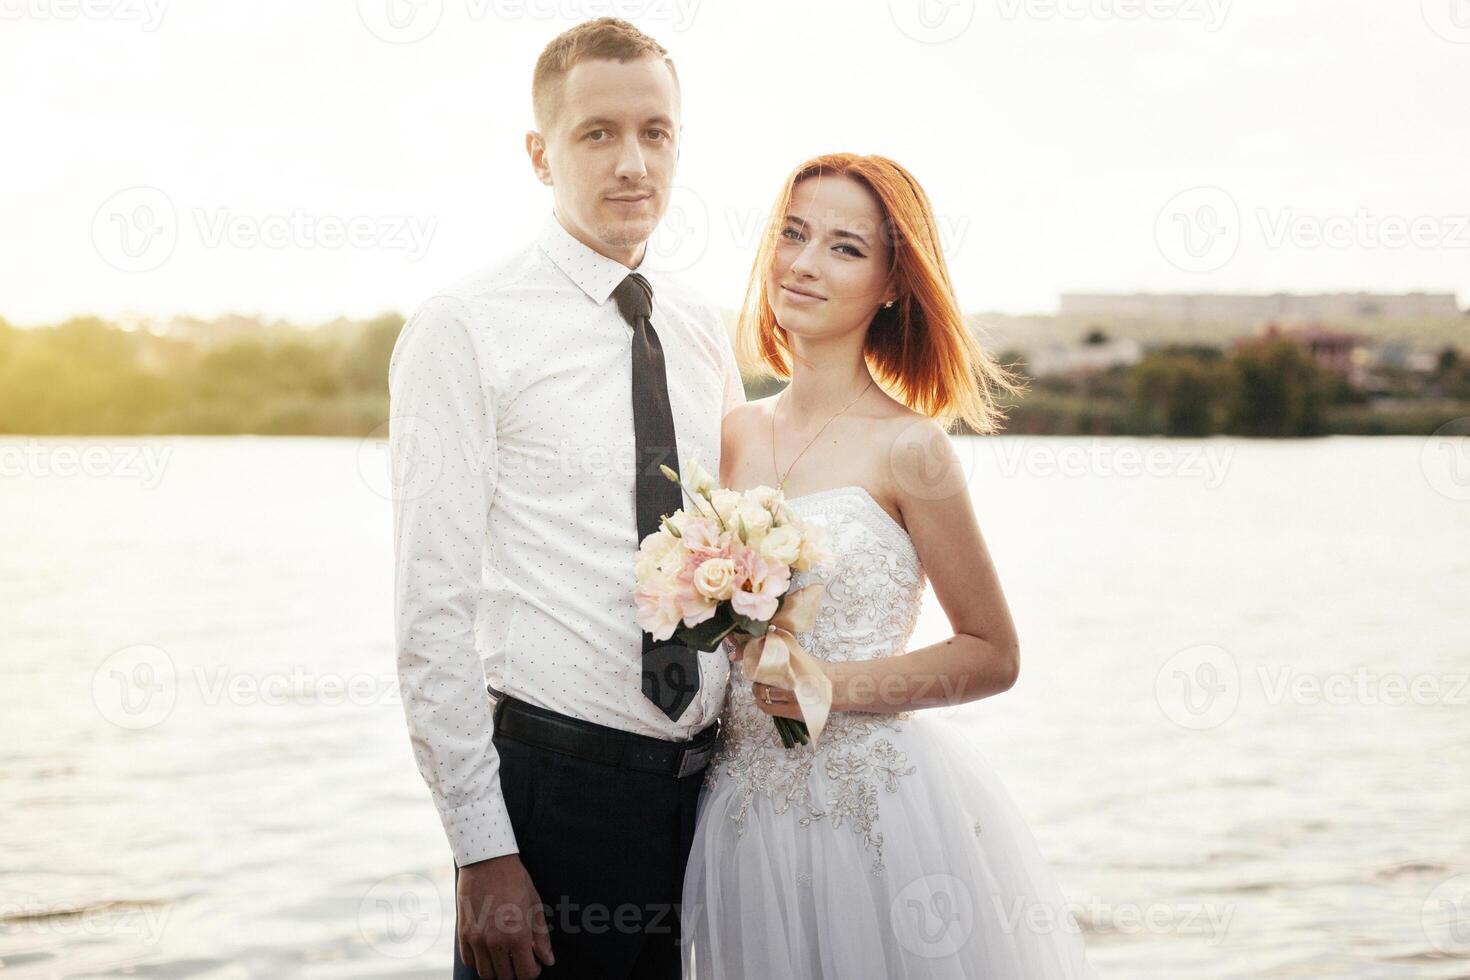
pixel 608 38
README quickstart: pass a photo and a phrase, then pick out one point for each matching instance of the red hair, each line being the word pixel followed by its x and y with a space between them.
pixel 919 350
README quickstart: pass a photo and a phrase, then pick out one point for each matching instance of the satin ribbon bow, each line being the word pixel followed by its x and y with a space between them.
pixel 776 659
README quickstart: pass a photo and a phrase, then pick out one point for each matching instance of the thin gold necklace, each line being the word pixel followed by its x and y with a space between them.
pixel 780 477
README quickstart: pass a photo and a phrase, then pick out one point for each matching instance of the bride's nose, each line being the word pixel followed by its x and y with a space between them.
pixel 805 264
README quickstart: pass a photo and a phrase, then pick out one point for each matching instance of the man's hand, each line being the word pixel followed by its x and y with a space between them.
pixel 502 926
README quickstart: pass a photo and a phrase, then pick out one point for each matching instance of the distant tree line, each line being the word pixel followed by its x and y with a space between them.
pixel 89 377
pixel 1270 388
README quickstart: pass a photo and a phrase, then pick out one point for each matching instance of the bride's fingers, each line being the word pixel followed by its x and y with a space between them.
pixel 766 694
pixel 781 709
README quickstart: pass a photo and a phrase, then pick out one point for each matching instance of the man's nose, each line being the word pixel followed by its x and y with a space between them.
pixel 630 162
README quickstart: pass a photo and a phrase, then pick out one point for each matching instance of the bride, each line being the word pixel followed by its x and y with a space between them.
pixel 887 849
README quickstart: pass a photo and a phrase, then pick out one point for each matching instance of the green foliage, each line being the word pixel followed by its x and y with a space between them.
pixel 1178 394
pixel 88 377
pixel 1279 391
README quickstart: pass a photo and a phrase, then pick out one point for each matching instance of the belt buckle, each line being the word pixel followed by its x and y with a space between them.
pixel 693 760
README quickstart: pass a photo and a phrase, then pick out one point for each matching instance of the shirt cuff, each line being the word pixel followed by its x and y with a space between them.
pixel 479 831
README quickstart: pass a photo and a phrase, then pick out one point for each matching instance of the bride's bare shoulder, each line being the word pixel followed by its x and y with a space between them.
pixel 739 428
pixel 742 419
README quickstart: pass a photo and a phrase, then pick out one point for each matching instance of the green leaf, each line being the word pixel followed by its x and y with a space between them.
pixel 708 634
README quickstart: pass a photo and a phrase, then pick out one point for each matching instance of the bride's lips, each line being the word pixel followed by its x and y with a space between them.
pixel 798 296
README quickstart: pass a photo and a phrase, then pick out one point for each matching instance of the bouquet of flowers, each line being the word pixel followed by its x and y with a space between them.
pixel 722 568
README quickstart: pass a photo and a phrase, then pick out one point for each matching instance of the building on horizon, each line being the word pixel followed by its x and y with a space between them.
pixel 1255 309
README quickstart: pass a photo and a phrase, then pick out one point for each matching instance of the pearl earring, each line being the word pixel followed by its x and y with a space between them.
pixel 888 304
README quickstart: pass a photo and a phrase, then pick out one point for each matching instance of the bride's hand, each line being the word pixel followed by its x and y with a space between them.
pixel 782 702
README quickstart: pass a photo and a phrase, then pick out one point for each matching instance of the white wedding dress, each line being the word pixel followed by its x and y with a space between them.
pixel 889 850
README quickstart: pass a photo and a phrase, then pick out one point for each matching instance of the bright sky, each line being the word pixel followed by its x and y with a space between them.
pixel 310 159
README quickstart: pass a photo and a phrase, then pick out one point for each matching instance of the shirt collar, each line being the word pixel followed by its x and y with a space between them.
pixel 595 273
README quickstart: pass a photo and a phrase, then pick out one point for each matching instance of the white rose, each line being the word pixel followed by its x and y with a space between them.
pixel 652 551
pixel 715 579
pixel 753 520
pixel 725 502
pixel 763 495
pixel 782 544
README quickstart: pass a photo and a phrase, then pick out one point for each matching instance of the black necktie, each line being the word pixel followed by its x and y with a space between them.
pixel 670 669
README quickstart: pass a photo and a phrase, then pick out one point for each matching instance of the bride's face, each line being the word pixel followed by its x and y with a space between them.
pixel 830 270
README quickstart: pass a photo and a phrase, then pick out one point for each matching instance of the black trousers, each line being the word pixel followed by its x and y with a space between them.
pixel 605 847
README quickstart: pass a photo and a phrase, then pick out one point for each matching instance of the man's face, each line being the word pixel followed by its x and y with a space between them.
pixel 610 153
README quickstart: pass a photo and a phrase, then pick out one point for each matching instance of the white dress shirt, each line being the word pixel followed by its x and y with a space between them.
pixel 514 525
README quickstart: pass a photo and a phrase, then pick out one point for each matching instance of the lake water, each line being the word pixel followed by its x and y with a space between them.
pixel 1241 732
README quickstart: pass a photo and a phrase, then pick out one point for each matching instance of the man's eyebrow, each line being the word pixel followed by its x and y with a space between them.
pixel 612 123
pixel 836 232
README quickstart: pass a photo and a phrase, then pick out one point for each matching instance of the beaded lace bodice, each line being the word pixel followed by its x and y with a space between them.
pixel 874 587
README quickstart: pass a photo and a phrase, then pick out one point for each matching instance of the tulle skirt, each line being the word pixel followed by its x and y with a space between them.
pixel 941 879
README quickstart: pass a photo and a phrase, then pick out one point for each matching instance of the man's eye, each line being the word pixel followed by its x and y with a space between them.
pixel 597 132
pixel 658 134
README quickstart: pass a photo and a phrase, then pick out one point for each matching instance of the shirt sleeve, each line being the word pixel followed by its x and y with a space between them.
pixel 443 455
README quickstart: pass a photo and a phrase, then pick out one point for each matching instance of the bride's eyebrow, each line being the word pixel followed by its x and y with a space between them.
pixel 836 232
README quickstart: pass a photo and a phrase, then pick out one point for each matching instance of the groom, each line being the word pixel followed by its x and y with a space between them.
pixel 532 404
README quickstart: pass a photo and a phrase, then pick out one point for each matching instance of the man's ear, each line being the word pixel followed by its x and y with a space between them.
pixel 536 150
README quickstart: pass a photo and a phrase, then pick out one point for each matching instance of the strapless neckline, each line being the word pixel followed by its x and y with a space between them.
pixel 899 532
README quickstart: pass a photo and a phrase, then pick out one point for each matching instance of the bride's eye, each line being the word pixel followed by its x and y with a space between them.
pixel 791 234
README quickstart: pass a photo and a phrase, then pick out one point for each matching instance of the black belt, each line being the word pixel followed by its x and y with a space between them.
pixel 548 729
